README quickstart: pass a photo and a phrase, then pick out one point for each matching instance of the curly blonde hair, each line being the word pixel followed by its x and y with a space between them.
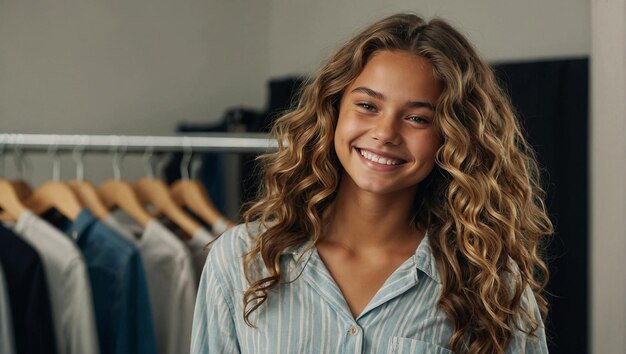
pixel 482 204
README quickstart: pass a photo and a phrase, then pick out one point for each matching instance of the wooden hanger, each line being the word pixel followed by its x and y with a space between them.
pixel 84 190
pixel 55 194
pixel 22 188
pixel 192 194
pixel 116 193
pixel 10 202
pixel 88 196
pixel 155 192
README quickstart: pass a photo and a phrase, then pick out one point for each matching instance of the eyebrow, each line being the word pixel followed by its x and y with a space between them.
pixel 379 96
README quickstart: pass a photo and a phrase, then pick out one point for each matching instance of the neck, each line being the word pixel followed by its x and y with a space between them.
pixel 363 220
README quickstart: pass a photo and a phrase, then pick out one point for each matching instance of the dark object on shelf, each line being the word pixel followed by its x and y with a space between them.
pixel 282 92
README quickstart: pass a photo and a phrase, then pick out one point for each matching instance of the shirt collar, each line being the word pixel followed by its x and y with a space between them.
pixel 425 261
pixel 423 257
pixel 298 250
pixel 83 221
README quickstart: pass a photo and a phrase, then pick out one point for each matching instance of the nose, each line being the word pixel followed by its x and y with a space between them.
pixel 385 130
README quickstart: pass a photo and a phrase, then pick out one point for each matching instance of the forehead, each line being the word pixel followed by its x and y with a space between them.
pixel 399 75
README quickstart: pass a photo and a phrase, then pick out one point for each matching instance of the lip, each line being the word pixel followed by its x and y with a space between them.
pixel 376 166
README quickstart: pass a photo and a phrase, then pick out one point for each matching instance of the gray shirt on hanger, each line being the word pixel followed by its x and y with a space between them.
pixel 171 280
pixel 70 290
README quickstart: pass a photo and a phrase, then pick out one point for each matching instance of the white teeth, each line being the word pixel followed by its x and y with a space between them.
pixel 378 159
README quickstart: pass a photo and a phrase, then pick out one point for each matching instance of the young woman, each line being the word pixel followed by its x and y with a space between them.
pixel 402 213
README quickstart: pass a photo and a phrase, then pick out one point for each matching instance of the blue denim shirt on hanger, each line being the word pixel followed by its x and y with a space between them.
pixel 118 282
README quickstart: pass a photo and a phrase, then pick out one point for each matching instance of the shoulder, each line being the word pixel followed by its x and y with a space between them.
pixel 528 327
pixel 227 254
pixel 525 339
pixel 48 241
pixel 528 300
pixel 108 251
pixel 103 236
pixel 236 241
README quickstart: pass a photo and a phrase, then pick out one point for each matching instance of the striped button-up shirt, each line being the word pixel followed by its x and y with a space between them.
pixel 310 314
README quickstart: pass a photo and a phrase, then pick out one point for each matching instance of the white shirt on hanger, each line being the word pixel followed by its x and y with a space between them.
pixel 220 226
pixel 69 287
pixel 171 280
pixel 6 325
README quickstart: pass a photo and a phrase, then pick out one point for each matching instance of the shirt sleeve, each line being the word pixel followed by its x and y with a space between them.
pixel 213 324
pixel 529 343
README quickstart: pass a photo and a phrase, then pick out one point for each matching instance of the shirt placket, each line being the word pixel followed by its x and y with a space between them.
pixel 355 339
pixel 315 275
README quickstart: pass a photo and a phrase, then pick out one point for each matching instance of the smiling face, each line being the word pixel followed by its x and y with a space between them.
pixel 385 138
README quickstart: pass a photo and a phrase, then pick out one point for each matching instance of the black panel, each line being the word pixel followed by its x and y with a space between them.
pixel 552 100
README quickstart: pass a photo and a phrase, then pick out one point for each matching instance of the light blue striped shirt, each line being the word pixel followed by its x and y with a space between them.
pixel 310 315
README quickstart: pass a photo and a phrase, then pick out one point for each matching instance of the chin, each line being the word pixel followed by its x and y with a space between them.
pixel 377 188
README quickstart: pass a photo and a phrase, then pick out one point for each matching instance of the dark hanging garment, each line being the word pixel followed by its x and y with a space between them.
pixel 552 99
pixel 28 295
pixel 118 284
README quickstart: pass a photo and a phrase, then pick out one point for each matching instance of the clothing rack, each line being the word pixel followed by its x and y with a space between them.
pixel 224 142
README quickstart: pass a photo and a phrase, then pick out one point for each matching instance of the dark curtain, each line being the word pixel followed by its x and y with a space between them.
pixel 551 98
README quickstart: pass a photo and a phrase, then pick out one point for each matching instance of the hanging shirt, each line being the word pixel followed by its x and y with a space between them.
pixel 70 293
pixel 197 243
pixel 6 327
pixel 199 246
pixel 28 294
pixel 220 226
pixel 171 281
pixel 118 285
pixel 307 313
pixel 174 229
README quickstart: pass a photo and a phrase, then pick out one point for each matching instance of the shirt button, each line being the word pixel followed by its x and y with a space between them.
pixel 353 330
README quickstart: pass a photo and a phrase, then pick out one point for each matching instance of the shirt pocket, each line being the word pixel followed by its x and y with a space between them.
pixel 400 345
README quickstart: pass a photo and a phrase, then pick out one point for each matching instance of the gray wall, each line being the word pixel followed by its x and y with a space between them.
pixel 139 66
pixel 128 67
pixel 125 67
pixel 303 33
pixel 608 178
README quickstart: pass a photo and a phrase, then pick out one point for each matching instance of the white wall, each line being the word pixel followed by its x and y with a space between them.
pixel 126 67
pixel 129 67
pixel 302 33
pixel 608 178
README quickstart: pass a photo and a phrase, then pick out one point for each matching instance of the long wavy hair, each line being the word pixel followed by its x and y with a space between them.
pixel 482 204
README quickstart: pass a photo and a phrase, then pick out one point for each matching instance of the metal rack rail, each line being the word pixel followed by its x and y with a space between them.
pixel 225 142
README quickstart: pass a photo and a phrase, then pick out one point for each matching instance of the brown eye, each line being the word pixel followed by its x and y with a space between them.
pixel 419 119
pixel 367 107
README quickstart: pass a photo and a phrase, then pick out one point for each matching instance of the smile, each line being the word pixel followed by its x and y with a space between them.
pixel 379 159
